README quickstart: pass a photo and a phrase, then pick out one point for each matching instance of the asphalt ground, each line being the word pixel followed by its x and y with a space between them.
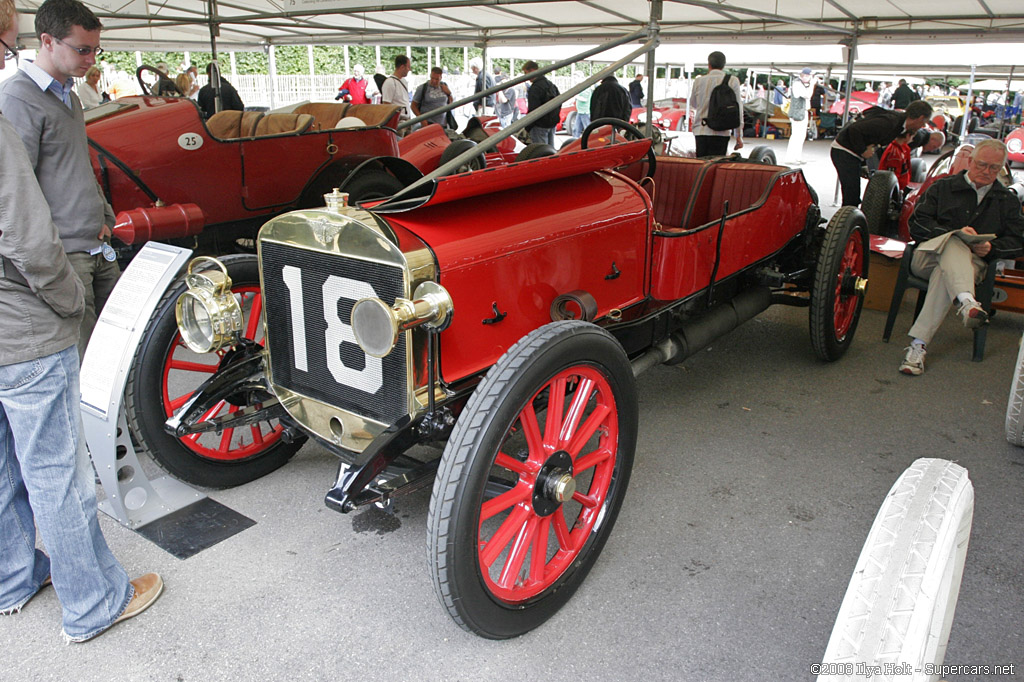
pixel 758 473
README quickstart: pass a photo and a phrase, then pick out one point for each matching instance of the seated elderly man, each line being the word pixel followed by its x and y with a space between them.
pixel 949 254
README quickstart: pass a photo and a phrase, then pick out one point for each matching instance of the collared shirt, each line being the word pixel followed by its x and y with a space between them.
pixel 47 82
pixel 982 191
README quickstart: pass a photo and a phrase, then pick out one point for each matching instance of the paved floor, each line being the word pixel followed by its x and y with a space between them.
pixel 759 471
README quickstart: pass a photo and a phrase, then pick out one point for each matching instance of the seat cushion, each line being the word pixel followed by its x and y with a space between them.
pixel 741 184
pixel 282 124
pixel 225 125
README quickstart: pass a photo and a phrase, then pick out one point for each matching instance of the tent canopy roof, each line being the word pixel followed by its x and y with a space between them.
pixel 184 24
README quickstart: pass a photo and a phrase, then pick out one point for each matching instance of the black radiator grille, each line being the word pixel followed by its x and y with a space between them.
pixel 363 385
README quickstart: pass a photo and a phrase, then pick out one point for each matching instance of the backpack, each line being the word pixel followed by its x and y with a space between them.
pixel 723 108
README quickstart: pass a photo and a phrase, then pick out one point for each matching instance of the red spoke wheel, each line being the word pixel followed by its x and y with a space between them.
pixel 165 373
pixel 840 280
pixel 532 479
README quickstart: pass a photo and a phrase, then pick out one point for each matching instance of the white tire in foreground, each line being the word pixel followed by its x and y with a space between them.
pixel 895 619
pixel 1014 406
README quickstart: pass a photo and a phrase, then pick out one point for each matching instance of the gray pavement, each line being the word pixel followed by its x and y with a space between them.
pixel 759 471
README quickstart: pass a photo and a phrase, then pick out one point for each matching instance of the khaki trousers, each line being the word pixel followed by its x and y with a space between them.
pixel 98 276
pixel 951 268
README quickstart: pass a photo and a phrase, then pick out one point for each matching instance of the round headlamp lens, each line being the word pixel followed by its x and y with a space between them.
pixel 374 327
pixel 195 323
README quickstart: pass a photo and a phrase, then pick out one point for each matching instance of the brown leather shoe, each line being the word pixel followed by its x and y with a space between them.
pixel 147 589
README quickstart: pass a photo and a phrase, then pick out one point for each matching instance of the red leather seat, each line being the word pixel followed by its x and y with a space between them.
pixel 677 187
pixel 741 184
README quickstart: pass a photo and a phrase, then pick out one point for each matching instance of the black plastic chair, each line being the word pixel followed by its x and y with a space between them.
pixel 905 279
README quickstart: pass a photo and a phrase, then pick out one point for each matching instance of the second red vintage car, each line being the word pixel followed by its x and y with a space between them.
pixel 499 315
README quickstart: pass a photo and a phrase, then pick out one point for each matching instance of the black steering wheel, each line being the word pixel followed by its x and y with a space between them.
pixel 159 76
pixel 631 133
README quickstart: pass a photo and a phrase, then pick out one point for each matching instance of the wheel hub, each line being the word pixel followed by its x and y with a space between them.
pixel 555 484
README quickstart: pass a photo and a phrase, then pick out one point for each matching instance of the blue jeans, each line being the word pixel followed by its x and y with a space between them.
pixel 544 135
pixel 580 124
pixel 48 482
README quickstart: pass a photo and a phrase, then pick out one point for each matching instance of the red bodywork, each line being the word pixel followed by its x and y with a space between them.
pixel 669 114
pixel 164 145
pixel 1015 146
pixel 583 225
pixel 860 101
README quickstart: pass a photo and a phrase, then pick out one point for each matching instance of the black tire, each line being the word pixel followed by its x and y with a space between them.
pixel 369 184
pixel 882 203
pixel 457 148
pixel 918 170
pixel 762 154
pixel 570 121
pixel 536 150
pixel 510 404
pixel 681 124
pixel 836 298
pixel 147 394
pixel 631 131
pixel 972 125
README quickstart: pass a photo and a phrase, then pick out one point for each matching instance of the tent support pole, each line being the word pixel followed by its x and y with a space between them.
pixel 851 58
pixel 1006 104
pixel 970 104
pixel 652 34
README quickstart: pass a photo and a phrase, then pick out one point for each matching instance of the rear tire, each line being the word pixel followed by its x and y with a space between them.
pixel 369 184
pixel 907 579
pixel 762 154
pixel 918 170
pixel 536 150
pixel 457 148
pixel 836 300
pixel 882 203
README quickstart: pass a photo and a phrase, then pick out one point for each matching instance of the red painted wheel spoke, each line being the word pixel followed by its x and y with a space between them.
pixel 257 434
pixel 539 553
pixel 531 429
pixel 553 419
pixel 192 366
pixel 516 558
pixel 591 459
pixel 576 410
pixel 179 401
pixel 512 464
pixel 254 317
pixel 595 420
pixel 561 531
pixel 509 528
pixel 586 500
pixel 520 493
pixel 225 439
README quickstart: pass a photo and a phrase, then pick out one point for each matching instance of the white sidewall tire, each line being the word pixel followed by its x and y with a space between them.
pixel 1014 406
pixel 899 605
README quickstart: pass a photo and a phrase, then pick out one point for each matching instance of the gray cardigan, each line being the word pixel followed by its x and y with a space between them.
pixel 58 151
pixel 41 298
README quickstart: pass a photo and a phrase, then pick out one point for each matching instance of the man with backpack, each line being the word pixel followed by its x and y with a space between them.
pixel 717 109
pixel 541 92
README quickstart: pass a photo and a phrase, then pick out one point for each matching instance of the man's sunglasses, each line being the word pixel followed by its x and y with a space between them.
pixel 84 51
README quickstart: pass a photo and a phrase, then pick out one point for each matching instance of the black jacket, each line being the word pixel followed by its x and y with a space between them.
pixel 875 126
pixel 541 92
pixel 636 93
pixel 903 96
pixel 610 100
pixel 229 98
pixel 950 204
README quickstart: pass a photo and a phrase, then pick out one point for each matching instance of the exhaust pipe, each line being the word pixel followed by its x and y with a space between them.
pixel 700 332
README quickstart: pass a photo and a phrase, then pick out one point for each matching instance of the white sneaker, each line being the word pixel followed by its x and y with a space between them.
pixel 913 362
pixel 972 314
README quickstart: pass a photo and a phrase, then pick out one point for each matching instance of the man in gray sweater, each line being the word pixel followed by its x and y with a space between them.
pixel 48 479
pixel 42 106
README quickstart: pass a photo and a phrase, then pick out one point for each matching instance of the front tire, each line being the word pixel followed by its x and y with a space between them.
pixel 839 280
pixel 505 554
pixel 162 377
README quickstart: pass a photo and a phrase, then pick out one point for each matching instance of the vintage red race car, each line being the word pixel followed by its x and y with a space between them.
pixel 860 101
pixel 500 314
pixel 1015 145
pixel 170 175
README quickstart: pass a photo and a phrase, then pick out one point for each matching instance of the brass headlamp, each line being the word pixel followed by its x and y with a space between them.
pixel 376 325
pixel 208 314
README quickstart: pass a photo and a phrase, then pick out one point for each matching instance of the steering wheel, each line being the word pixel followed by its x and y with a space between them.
pixel 159 75
pixel 631 133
